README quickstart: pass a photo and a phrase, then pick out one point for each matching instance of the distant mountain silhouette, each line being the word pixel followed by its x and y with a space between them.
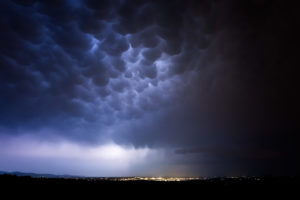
pixel 35 175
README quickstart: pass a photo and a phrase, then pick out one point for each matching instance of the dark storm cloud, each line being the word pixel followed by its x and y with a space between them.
pixel 146 38
pixel 179 74
pixel 70 38
pixel 152 54
pixel 114 46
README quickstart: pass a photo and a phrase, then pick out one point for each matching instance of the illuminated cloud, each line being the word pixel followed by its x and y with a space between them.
pixel 65 157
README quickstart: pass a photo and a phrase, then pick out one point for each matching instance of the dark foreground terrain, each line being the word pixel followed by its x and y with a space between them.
pixel 253 186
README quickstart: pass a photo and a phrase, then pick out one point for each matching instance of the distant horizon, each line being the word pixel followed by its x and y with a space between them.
pixel 31 174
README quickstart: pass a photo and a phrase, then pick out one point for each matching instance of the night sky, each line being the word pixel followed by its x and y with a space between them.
pixel 149 88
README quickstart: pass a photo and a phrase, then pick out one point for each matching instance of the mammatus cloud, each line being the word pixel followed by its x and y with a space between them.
pixel 89 63
pixel 182 76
